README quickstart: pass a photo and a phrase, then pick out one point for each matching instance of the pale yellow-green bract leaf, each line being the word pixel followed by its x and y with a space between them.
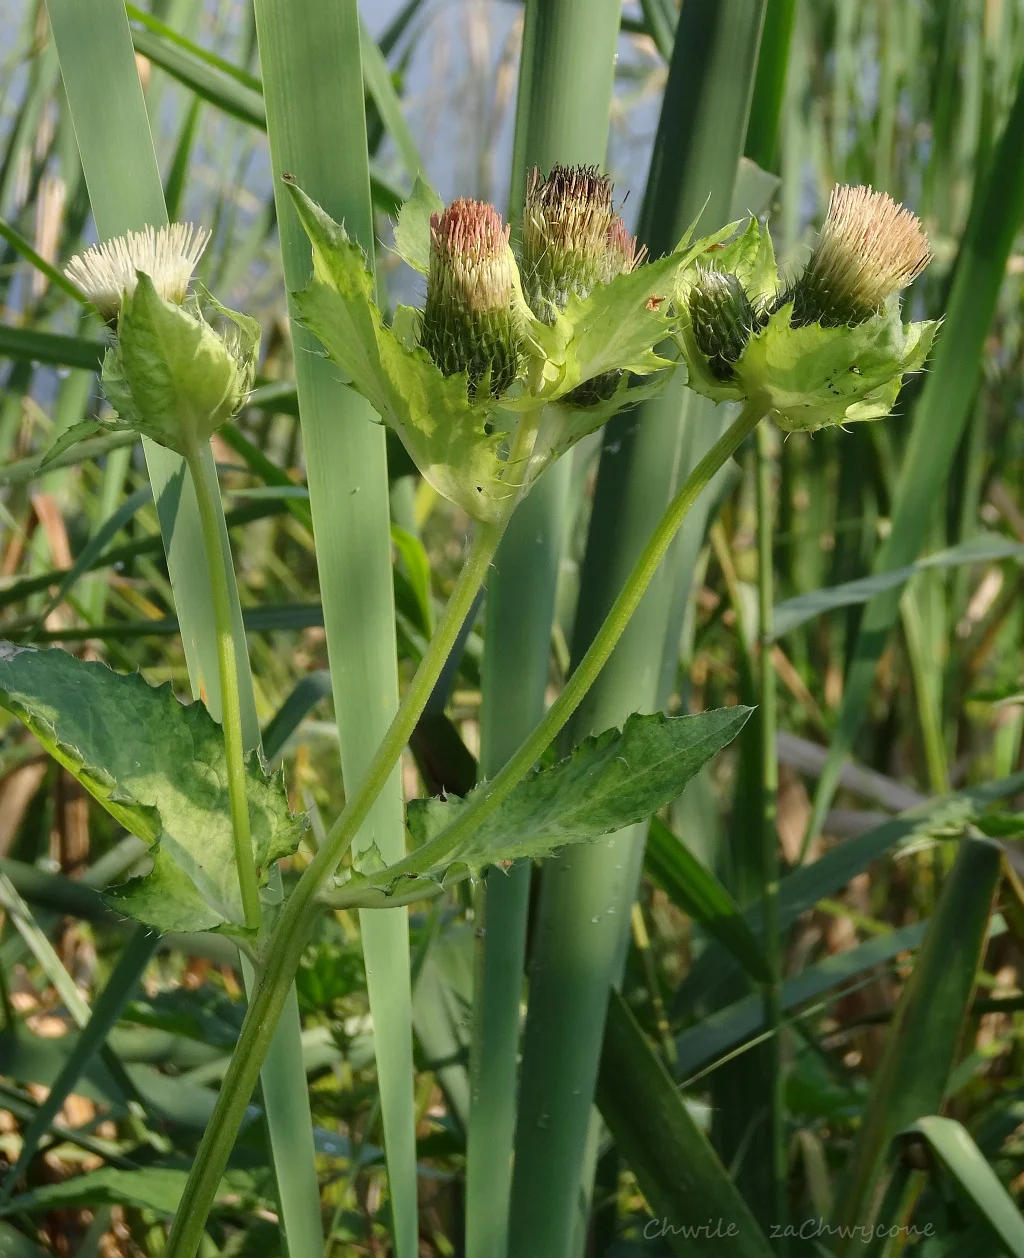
pixel 172 376
pixel 561 425
pixel 455 443
pixel 412 230
pixel 750 256
pixel 814 376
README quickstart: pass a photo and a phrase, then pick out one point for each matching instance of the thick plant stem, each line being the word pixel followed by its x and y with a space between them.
pixel 769 809
pixel 231 711
pixel 280 957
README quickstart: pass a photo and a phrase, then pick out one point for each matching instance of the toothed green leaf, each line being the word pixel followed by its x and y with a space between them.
pixel 610 781
pixel 71 437
pixel 750 256
pixel 158 767
pixel 620 323
pixel 562 425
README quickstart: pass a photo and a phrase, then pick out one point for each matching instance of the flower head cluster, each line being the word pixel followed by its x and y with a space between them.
pixel 573 238
pixel 177 369
pixel 108 272
pixel 470 321
pixel 829 349
pixel 511 361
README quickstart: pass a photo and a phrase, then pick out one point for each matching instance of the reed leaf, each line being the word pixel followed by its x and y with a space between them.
pixel 314 98
pixel 565 89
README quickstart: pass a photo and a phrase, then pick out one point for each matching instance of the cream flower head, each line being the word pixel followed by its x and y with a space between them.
pixel 168 255
pixel 869 247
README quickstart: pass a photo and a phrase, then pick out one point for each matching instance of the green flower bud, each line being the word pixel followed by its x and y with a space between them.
pixel 722 319
pixel 107 273
pixel 470 323
pixel 869 248
pixel 173 375
pixel 573 239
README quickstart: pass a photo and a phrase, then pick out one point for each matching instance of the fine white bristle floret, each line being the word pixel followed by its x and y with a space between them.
pixel 168 255
pixel 869 244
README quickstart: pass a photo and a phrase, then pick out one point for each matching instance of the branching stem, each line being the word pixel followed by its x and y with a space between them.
pixel 281 953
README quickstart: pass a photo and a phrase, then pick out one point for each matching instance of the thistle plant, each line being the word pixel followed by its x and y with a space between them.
pixel 828 348
pixel 480 388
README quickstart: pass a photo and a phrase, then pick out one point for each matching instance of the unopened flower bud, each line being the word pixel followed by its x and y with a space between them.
pixel 573 239
pixel 722 320
pixel 869 247
pixel 469 321
pixel 107 273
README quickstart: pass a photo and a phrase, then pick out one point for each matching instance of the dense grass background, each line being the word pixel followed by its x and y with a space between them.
pixel 917 692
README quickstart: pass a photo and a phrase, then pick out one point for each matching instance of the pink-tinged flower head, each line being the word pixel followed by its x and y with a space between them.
pixel 469 322
pixel 469 255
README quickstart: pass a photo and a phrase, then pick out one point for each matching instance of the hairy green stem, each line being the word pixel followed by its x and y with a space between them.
pixel 280 956
pixel 769 829
pixel 231 709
